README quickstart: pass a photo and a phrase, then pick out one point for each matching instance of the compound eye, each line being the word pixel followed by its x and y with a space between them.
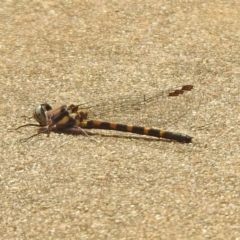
pixel 39 113
pixel 46 107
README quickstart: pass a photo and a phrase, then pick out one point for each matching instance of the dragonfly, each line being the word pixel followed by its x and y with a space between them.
pixel 76 118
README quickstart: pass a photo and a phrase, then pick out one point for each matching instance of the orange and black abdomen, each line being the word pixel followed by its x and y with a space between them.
pixel 138 130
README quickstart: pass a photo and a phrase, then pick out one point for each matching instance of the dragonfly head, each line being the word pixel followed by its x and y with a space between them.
pixel 39 113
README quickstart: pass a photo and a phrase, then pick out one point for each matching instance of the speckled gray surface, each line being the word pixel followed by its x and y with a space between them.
pixel 119 186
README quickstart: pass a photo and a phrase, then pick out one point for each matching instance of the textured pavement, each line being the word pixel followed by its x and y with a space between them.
pixel 120 186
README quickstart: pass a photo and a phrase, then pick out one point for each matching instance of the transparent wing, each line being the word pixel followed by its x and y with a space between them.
pixel 156 108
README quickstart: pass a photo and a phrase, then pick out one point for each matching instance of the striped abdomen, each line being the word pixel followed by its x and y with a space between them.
pixel 136 129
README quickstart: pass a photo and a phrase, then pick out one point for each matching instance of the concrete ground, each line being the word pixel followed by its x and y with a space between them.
pixel 121 186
